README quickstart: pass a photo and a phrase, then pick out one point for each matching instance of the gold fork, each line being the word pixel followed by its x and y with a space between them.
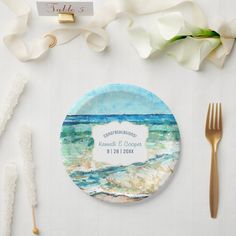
pixel 214 134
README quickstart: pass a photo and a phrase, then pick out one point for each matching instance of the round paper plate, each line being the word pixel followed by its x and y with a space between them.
pixel 120 143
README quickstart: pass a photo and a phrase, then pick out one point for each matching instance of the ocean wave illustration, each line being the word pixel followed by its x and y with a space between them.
pixel 102 183
pixel 167 119
pixel 120 183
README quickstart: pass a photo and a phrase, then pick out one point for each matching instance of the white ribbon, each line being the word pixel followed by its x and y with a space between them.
pixel 148 38
pixel 227 31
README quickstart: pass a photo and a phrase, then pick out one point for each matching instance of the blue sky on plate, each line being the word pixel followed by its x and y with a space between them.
pixel 119 99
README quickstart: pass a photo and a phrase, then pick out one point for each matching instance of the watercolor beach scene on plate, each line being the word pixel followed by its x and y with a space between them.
pixel 120 143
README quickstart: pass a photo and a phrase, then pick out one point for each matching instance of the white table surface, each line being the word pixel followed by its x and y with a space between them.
pixel 62 77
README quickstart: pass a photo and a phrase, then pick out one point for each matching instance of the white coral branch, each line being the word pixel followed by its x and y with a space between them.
pixel 9 187
pixel 28 166
pixel 11 101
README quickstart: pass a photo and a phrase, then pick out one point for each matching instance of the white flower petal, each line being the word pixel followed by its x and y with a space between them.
pixel 155 36
pixel 219 55
pixel 172 24
pixel 190 52
pixel 141 41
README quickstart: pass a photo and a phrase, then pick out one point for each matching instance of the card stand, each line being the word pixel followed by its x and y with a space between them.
pixel 66 18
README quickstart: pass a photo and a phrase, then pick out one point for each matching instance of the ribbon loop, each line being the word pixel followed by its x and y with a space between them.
pixel 154 36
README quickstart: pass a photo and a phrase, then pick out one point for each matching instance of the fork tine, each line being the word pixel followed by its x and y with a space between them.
pixel 208 117
pixel 220 118
pixel 212 117
pixel 217 118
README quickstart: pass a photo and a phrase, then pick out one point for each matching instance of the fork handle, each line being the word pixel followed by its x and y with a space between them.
pixel 214 184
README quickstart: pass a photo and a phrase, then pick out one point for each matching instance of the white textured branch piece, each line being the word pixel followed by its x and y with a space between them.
pixel 9 187
pixel 28 166
pixel 7 109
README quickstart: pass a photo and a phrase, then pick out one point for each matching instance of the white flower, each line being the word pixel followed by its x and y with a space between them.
pixel 191 52
pixel 170 33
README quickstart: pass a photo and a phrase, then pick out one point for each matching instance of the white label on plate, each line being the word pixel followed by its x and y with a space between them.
pixel 54 8
pixel 120 143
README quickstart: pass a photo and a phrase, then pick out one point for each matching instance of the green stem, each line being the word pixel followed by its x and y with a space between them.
pixel 206 33
pixel 201 33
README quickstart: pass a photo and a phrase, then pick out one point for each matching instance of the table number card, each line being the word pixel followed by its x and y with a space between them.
pixel 54 8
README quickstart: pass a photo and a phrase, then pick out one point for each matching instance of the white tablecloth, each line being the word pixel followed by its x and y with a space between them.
pixel 69 71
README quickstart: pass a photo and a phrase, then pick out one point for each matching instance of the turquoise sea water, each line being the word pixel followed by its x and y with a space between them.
pixel 101 178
